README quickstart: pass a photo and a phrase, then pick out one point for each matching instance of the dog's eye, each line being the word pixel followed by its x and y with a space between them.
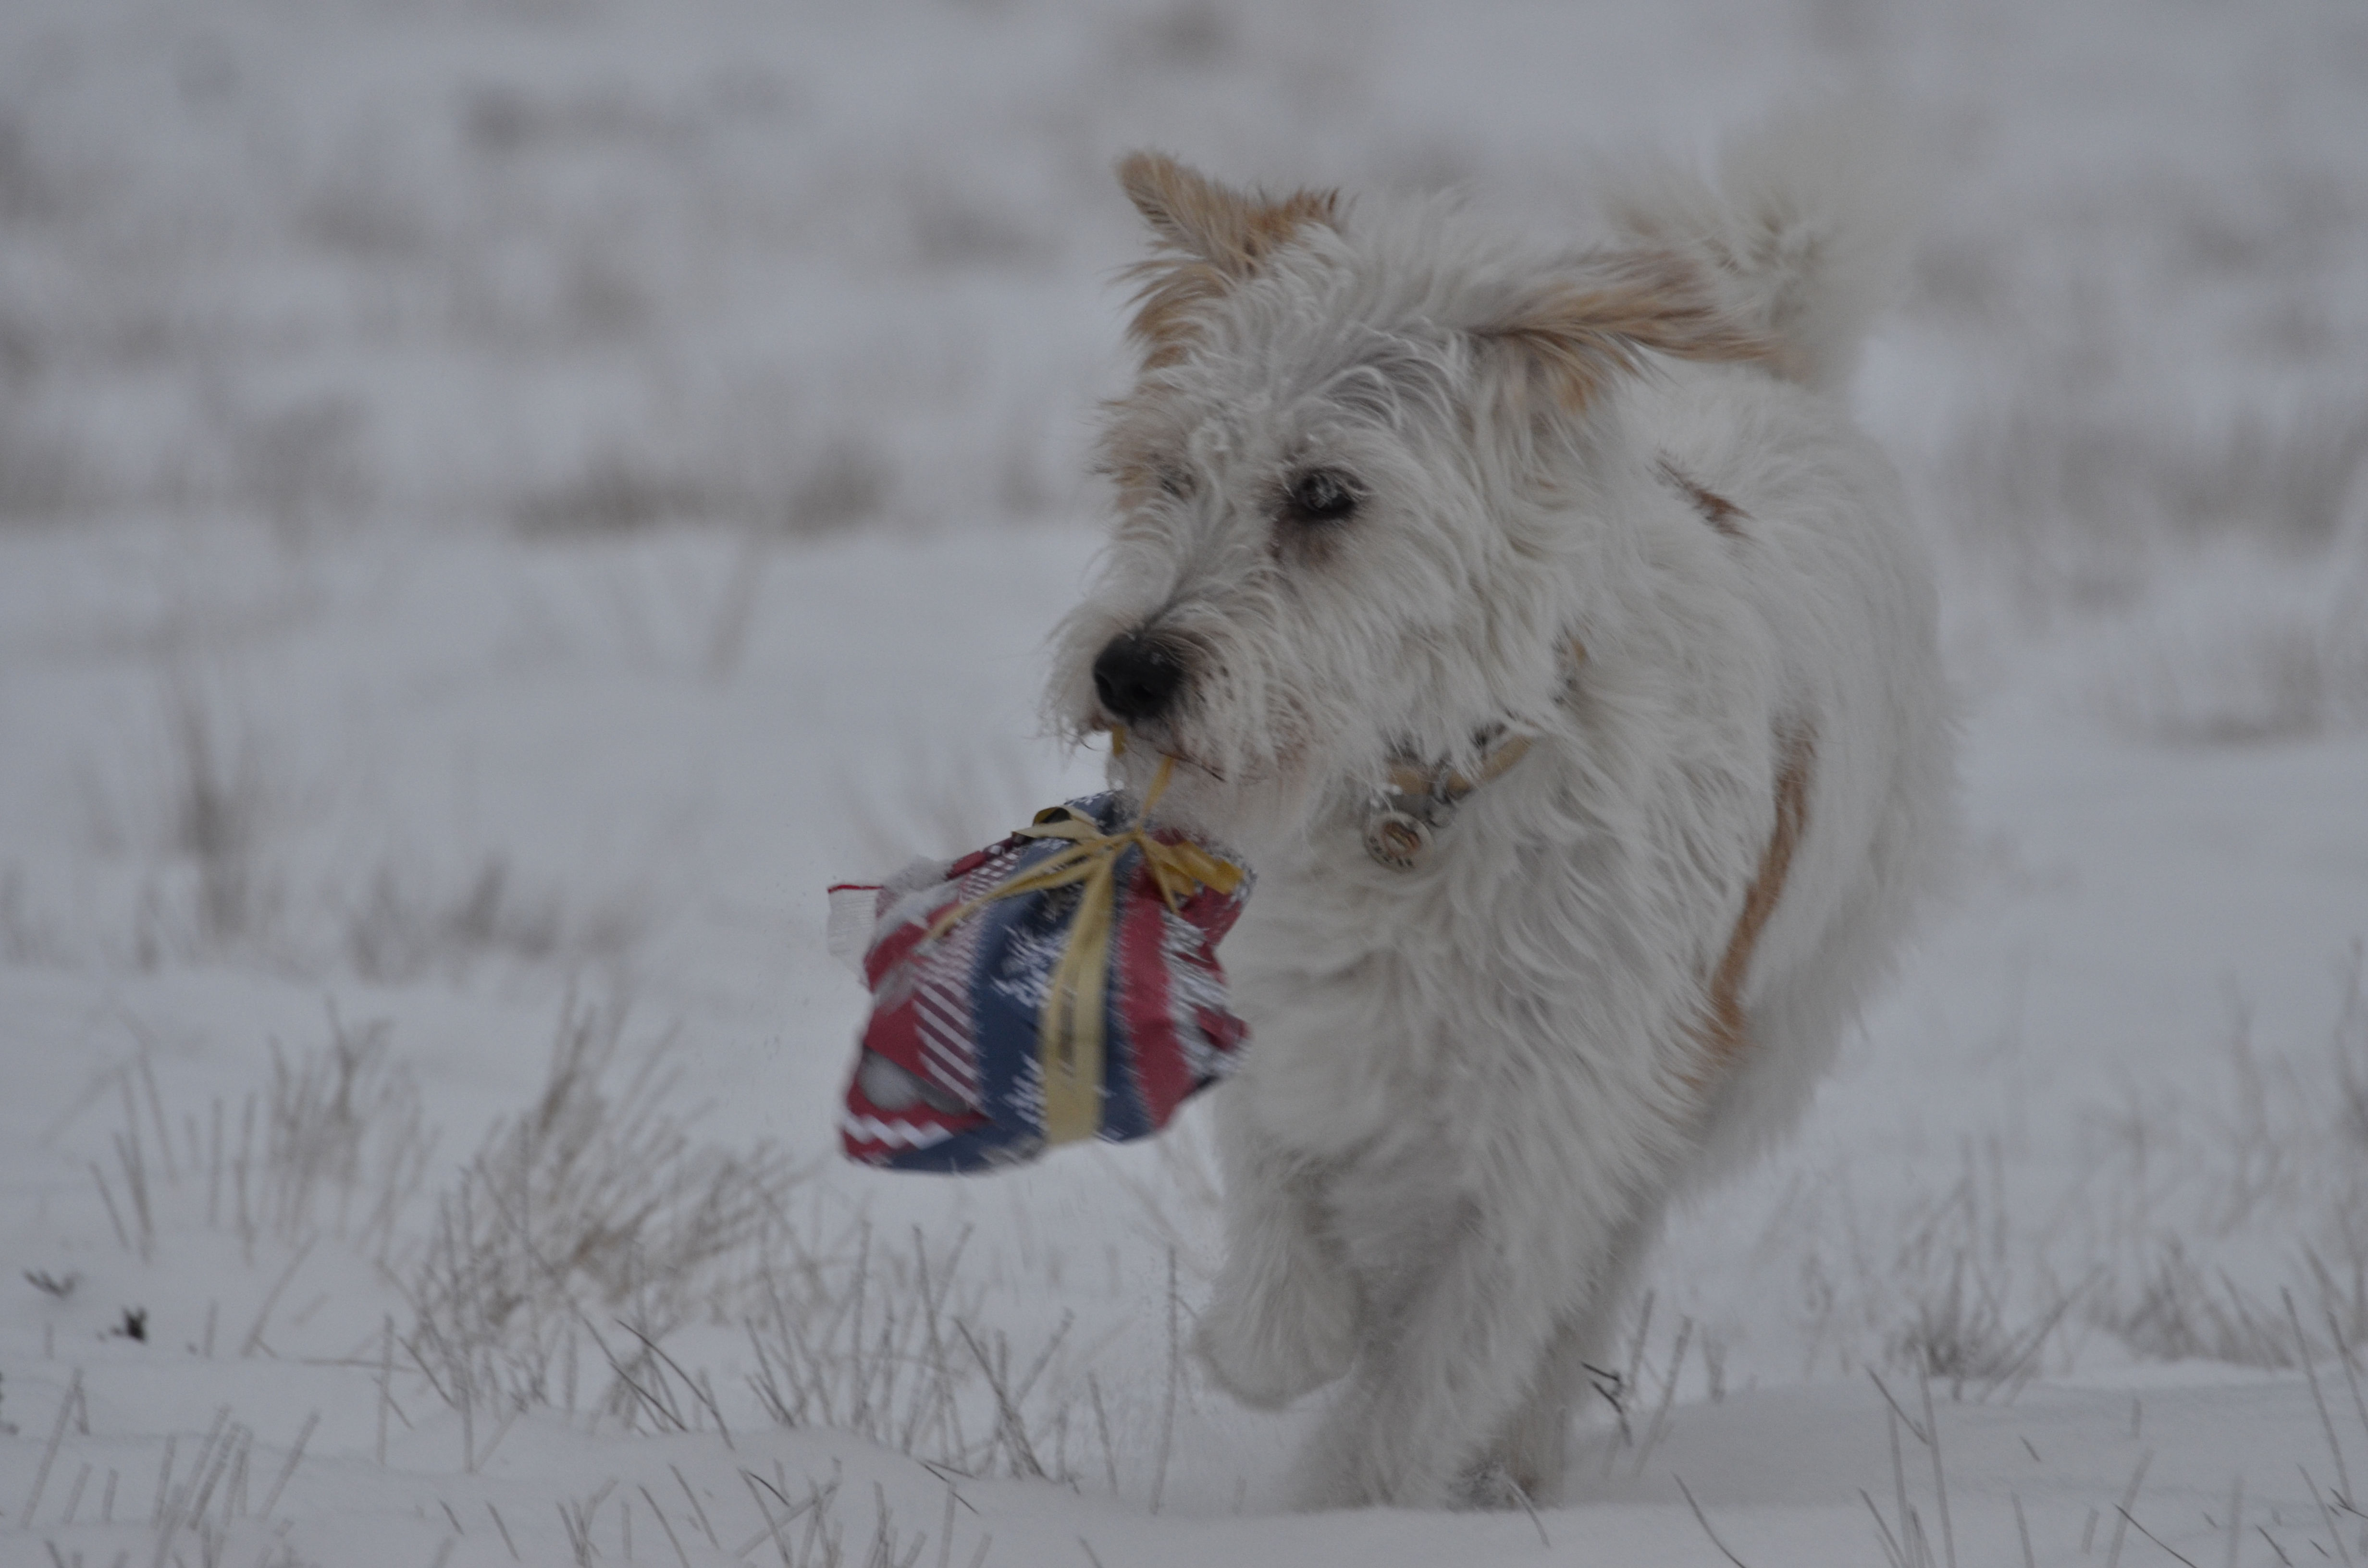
pixel 1321 496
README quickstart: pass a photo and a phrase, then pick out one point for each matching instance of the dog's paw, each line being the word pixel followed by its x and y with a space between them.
pixel 1500 1482
pixel 1529 1462
pixel 1326 1478
pixel 1355 1461
pixel 1267 1350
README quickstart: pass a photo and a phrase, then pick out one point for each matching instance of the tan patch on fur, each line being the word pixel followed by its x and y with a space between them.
pixel 1576 335
pixel 1209 237
pixel 1130 457
pixel 1725 1031
pixel 1717 510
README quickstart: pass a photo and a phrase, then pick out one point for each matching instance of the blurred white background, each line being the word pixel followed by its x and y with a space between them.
pixel 502 500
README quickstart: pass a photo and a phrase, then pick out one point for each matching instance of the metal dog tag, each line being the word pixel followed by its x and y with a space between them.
pixel 1396 839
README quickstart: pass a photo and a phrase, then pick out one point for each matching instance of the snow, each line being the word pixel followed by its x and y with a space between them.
pixel 502 502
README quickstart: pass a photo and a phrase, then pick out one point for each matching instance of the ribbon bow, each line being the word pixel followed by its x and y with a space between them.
pixel 1069 1037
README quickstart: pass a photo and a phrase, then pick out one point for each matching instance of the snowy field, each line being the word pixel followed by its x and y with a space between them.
pixel 501 501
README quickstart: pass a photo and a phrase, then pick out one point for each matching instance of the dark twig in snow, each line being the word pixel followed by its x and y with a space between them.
pixel 2310 1370
pixel 1521 1496
pixel 681 1556
pixel 1890 1546
pixel 114 1217
pixel 505 1532
pixel 49 1454
pixel 765 1514
pixel 2129 1501
pixel 295 1457
pixel 2351 1376
pixel 1659 1427
pixel 1896 1409
pixel 254 1340
pixel 705 1398
pixel 1012 1430
pixel 1631 1377
pixel 700 1512
pixel 1101 1424
pixel 1940 1478
pixel 1899 1484
pixel 2132 1521
pixel 2328 1516
pixel 816 1501
pixel 164 1480
pixel 1704 1520
pixel 2151 1536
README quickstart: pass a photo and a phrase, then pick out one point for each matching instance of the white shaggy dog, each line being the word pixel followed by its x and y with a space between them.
pixel 1582 549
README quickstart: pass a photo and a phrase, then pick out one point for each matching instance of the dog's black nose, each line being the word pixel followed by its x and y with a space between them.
pixel 1136 678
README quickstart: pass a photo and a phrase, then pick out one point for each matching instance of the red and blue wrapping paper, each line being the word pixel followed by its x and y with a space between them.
pixel 955 1018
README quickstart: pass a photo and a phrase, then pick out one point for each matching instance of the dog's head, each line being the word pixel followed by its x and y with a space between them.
pixel 1366 480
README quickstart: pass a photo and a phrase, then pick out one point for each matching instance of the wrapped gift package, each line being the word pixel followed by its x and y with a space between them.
pixel 1058 986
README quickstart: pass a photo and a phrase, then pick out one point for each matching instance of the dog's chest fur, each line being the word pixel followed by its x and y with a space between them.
pixel 1426 1017
pixel 1564 930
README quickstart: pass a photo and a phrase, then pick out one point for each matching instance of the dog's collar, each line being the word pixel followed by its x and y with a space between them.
pixel 1404 818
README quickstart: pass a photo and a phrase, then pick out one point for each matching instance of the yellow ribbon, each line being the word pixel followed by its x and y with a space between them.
pixel 1069 1043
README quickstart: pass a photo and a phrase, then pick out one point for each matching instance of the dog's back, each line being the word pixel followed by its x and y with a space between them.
pixel 1808 228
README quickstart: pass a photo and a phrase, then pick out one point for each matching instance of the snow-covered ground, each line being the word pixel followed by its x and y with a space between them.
pixel 501 502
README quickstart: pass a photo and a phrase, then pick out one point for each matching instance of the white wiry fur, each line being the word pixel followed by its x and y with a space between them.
pixel 1808 230
pixel 1471 1087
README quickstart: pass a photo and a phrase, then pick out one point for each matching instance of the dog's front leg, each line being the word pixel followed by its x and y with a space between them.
pixel 1282 1319
pixel 1532 1452
pixel 1452 1343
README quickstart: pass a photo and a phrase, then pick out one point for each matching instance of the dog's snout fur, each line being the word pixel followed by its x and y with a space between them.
pixel 1137 676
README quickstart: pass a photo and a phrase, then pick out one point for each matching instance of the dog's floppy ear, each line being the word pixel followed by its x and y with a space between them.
pixel 1570 338
pixel 1207 238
